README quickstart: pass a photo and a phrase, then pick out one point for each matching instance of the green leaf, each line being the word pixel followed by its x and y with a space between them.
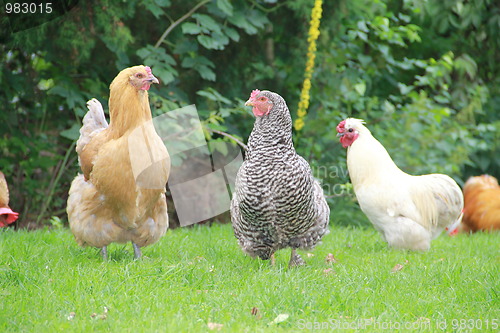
pixel 144 52
pixel 225 6
pixel 231 33
pixel 362 26
pixel 239 20
pixel 165 75
pixel 191 28
pixel 206 73
pixel 58 90
pixel 195 61
pixel 163 3
pixel 186 46
pixel 360 88
pixel 72 133
pixel 155 6
pixel 404 89
pixel 221 39
pixel 201 65
pixel 466 64
pixel 209 42
pixel 213 95
pixel 160 62
pixel 207 22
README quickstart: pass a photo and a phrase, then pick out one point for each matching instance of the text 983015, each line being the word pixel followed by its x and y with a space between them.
pixel 16 16
pixel 28 8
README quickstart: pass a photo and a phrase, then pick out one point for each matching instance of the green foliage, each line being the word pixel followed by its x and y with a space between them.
pixel 423 74
pixel 196 276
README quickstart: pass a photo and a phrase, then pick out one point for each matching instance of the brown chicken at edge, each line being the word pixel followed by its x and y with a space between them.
pixel 7 216
pixel 481 204
pixel 108 203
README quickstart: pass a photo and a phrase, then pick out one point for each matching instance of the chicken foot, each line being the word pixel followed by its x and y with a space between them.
pixel 273 260
pixel 104 253
pixel 296 260
pixel 137 251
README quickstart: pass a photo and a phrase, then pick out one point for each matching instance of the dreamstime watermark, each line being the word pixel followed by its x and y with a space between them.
pixel 362 324
pixel 420 324
pixel 333 179
pixel 201 181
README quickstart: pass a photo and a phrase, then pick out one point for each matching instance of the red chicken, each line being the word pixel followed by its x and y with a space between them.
pixel 7 216
pixel 481 204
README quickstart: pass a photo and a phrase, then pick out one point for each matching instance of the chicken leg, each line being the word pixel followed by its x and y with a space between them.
pixel 296 260
pixel 137 251
pixel 104 253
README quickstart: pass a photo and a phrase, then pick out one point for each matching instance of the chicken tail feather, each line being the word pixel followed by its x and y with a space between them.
pixel 452 230
pixel 93 123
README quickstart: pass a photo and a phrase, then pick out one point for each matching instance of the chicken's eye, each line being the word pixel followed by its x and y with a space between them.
pixel 350 130
pixel 262 99
pixel 139 76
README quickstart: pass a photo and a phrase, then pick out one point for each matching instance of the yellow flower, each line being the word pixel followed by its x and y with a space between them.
pixel 311 55
pixel 299 123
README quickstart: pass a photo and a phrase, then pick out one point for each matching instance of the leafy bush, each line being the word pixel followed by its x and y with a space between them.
pixel 428 93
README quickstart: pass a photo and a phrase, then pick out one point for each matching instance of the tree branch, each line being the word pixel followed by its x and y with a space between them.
pixel 179 21
pixel 238 141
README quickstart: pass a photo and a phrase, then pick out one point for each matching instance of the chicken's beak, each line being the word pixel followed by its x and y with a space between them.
pixel 153 79
pixel 339 135
pixel 249 102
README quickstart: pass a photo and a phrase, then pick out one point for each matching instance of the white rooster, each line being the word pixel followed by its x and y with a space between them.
pixel 409 211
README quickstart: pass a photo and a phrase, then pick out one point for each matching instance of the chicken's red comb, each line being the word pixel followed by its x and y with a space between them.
pixel 254 93
pixel 341 127
pixel 148 70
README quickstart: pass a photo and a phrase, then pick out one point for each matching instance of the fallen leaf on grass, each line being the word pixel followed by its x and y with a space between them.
pixel 279 319
pixel 330 259
pixel 397 268
pixel 256 312
pixel 102 316
pixel 202 291
pixel 423 319
pixel 71 315
pixel 215 326
pixel 329 271
pixel 310 255
pixel 196 259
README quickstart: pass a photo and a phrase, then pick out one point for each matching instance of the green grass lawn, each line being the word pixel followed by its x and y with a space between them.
pixel 195 278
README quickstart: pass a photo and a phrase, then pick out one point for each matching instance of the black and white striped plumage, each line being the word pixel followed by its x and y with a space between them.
pixel 277 203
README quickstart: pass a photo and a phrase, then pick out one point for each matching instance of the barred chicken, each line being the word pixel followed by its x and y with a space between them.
pixel 120 197
pixel 276 203
pixel 409 211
